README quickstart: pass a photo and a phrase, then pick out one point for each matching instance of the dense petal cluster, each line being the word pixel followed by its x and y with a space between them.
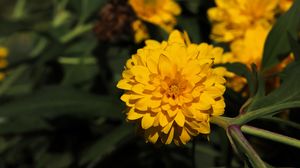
pixel 158 12
pixel 172 89
pixel 232 18
pixel 3 60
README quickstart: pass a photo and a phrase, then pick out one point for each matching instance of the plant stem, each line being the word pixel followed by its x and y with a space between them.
pixel 78 30
pixel 245 147
pixel 262 112
pixel 74 61
pixel 271 136
pixel 223 122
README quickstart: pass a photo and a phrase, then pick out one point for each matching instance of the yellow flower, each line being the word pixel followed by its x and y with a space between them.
pixel 285 5
pixel 158 12
pixel 232 18
pixel 3 61
pixel 249 49
pixel 172 89
pixel 140 31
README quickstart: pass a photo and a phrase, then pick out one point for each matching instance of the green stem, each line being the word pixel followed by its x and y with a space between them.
pixel 74 61
pixel 262 112
pixel 271 136
pixel 223 122
pixel 245 147
pixel 78 30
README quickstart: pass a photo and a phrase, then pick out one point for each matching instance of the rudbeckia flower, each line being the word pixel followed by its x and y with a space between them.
pixel 172 89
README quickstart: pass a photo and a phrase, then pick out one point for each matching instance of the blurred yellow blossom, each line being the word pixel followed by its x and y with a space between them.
pixel 171 89
pixel 232 18
pixel 249 49
pixel 140 31
pixel 3 60
pixel 285 5
pixel 158 12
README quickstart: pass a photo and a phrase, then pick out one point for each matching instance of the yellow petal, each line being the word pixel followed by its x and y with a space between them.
pixel 132 115
pixel 142 104
pixel 165 66
pixel 170 136
pixel 163 121
pixel 207 98
pixel 152 65
pixel 167 128
pixel 147 121
pixel 141 74
pixel 171 112
pixel 123 84
pixel 180 119
pixel 138 88
pixel 184 136
pixel 153 137
pixel 176 37
pixel 204 128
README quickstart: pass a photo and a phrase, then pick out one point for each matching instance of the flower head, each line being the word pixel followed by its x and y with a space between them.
pixel 231 18
pixel 158 12
pixel 172 89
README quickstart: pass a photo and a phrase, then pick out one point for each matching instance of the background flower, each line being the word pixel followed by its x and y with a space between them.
pixel 159 12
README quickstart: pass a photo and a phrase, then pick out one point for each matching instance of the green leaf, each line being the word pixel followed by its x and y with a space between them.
pixel 277 43
pixel 286 96
pixel 10 27
pixel 105 145
pixel 55 160
pixel 23 124
pixel 54 102
pixel 78 74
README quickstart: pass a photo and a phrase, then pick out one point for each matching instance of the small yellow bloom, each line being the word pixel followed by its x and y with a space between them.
pixel 249 49
pixel 158 12
pixel 172 89
pixel 285 5
pixel 140 31
pixel 3 61
pixel 232 18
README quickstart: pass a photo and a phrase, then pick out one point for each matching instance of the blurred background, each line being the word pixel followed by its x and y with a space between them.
pixel 59 105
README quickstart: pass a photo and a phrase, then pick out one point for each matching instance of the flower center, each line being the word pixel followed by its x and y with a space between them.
pixel 174 90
